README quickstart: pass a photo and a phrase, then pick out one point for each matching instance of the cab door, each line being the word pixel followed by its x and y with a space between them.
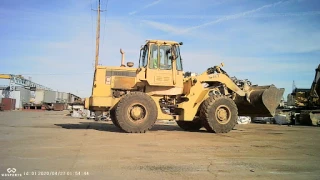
pixel 160 68
pixel 177 68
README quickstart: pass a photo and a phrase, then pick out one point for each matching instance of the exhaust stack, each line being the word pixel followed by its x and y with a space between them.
pixel 122 58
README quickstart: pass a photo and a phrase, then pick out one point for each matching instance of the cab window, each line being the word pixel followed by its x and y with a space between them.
pixel 143 57
pixel 178 60
pixel 165 61
pixel 154 63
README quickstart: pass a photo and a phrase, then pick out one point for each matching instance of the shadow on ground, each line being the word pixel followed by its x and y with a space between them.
pixel 112 128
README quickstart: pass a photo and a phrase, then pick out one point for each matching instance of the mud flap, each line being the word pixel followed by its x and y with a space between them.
pixel 264 101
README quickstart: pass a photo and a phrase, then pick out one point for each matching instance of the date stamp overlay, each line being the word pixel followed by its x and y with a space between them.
pixel 13 172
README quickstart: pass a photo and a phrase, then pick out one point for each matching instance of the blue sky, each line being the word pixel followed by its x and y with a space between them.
pixel 267 42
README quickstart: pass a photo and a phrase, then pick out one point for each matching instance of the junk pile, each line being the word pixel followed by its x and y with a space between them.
pixel 244 120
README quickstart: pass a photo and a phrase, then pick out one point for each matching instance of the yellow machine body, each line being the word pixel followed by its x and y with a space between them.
pixel 177 96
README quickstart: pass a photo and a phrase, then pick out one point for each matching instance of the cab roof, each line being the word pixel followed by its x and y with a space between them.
pixel 163 42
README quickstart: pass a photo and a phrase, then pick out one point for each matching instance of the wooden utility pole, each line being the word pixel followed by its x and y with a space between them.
pixel 97 46
pixel 97 38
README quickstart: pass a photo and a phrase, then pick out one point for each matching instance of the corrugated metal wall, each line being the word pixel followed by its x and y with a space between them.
pixel 49 97
pixel 25 96
pixel 39 95
pixel 65 97
pixel 21 95
pixel 45 96
pixel 62 97
pixel 16 95
pixel 59 96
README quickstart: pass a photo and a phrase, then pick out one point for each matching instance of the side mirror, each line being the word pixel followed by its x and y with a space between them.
pixel 181 43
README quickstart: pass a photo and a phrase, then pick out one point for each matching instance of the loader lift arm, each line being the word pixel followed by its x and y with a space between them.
pixel 251 100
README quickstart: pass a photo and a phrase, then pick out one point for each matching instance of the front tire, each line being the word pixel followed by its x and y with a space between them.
pixel 136 113
pixel 219 114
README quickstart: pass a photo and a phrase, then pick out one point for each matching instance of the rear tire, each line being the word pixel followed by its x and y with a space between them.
pixel 136 113
pixel 194 125
pixel 219 114
pixel 113 118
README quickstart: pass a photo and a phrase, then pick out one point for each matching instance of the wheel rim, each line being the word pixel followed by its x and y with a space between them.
pixel 223 114
pixel 137 112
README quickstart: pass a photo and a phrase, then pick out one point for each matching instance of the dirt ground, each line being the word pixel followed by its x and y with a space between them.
pixel 51 145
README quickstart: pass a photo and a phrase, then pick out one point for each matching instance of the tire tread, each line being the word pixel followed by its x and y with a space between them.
pixel 148 102
pixel 211 125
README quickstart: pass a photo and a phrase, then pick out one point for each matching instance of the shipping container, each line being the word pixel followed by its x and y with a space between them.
pixel 65 97
pixel 21 95
pixel 16 95
pixel 49 97
pixel 44 96
pixel 8 104
pixel 25 96
pixel 59 96
pixel 39 95
pixel 62 97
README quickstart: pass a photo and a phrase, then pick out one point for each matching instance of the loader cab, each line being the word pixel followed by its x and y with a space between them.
pixel 160 63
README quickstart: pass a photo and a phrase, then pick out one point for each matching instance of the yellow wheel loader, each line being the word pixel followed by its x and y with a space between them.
pixel 159 89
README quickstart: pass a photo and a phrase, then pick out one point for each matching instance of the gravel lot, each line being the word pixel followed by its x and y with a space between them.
pixel 43 144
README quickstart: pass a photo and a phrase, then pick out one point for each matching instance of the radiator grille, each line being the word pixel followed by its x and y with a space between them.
pixel 121 73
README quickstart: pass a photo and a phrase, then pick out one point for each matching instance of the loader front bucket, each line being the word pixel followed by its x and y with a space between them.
pixel 264 101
